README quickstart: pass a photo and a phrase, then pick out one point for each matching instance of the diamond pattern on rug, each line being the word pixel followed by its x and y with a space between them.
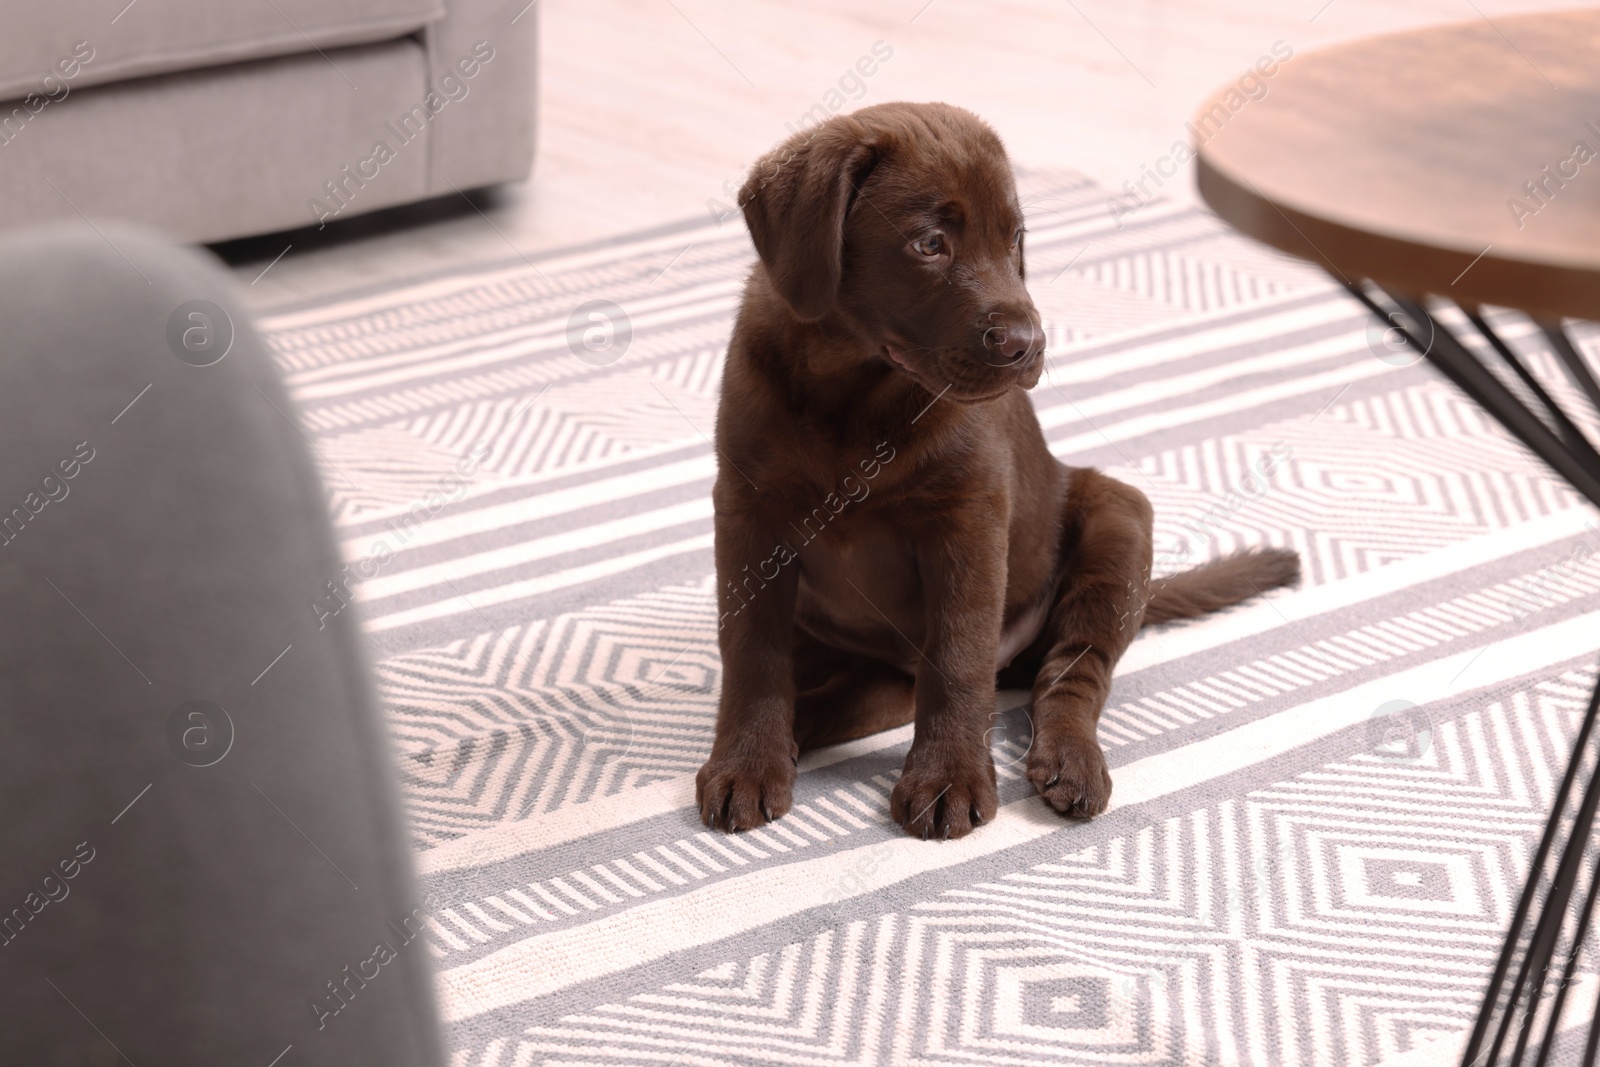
pixel 544 634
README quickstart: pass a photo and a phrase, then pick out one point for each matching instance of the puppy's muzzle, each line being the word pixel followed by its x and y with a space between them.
pixel 1011 339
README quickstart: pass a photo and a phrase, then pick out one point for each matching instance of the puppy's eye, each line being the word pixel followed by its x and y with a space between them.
pixel 931 245
pixel 1016 238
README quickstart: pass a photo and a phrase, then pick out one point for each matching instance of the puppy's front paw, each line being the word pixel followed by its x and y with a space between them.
pixel 944 794
pixel 745 789
pixel 1070 773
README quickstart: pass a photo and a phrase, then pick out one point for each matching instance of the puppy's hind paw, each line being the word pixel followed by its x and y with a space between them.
pixel 1070 773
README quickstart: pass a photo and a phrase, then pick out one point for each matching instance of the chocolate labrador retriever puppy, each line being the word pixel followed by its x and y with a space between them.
pixel 893 535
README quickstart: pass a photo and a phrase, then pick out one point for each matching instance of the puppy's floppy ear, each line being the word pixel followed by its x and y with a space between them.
pixel 795 202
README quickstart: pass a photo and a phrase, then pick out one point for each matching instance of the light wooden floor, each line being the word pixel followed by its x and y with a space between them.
pixel 648 108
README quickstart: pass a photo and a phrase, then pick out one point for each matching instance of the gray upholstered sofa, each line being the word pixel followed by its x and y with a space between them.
pixel 213 119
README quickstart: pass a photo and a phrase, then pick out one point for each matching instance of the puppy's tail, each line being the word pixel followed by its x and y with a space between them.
pixel 1221 583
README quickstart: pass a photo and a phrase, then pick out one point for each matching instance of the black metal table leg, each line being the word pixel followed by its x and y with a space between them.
pixel 1528 990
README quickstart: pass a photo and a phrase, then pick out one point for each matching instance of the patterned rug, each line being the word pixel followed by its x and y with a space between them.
pixel 1324 802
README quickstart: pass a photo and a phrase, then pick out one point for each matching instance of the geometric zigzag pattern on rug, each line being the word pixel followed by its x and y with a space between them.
pixel 1287 925
pixel 1324 801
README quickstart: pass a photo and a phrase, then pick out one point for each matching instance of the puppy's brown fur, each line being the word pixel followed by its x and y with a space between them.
pixel 891 528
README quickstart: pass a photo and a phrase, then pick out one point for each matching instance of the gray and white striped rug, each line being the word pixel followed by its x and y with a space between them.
pixel 1324 802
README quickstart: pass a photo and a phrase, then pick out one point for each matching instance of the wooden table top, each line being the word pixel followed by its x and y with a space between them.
pixel 1402 158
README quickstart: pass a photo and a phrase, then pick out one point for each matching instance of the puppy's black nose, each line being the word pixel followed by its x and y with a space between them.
pixel 1014 340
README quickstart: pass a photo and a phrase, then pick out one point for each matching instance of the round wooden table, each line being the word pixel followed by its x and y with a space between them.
pixel 1456 165
pixel 1408 159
